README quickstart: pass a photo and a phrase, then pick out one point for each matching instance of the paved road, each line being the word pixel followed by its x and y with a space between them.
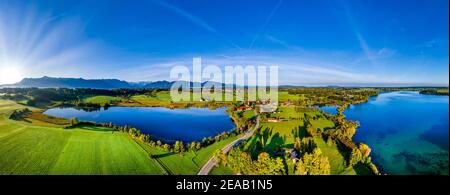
pixel 212 162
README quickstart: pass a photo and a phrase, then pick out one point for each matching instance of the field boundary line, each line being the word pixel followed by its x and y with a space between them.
pixel 149 155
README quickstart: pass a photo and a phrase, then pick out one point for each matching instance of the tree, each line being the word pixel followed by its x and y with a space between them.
pixel 210 140
pixel 134 132
pixel 297 143
pixel 220 157
pixel 240 162
pixel 224 135
pixel 365 150
pixel 374 169
pixel 144 138
pixel 181 148
pixel 166 147
pixel 191 146
pixel 73 121
pixel 125 129
pixel 346 129
pixel 269 166
pixel 340 112
pixel 360 154
pixel 307 145
pixel 355 157
pixel 194 146
pixel 106 106
pixel 313 164
pixel 178 147
pixel 188 147
pixel 198 146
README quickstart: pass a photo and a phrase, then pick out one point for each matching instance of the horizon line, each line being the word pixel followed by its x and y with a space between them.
pixel 360 84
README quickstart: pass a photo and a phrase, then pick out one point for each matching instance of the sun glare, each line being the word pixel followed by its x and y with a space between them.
pixel 9 75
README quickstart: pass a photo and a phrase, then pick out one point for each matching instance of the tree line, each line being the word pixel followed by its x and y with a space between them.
pixel 37 96
pixel 331 96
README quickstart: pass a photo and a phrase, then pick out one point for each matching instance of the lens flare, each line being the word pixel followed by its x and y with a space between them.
pixel 9 75
pixel 39 43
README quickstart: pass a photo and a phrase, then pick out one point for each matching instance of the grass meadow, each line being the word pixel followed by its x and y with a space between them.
pixel 45 149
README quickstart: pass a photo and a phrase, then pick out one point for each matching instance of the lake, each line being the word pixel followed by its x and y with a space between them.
pixel 191 124
pixel 408 132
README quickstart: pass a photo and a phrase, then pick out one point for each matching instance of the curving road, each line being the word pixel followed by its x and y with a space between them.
pixel 212 162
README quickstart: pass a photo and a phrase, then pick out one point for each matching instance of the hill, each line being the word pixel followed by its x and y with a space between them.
pixel 50 82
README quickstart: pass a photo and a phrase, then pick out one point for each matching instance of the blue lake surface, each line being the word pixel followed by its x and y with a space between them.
pixel 407 131
pixel 191 124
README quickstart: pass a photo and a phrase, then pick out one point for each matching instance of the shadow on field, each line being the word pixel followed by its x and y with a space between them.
pixel 93 128
pixel 162 155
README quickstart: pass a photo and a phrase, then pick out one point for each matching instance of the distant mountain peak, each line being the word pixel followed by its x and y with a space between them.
pixel 53 82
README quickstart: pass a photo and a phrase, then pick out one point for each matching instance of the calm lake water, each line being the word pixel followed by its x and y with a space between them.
pixel 161 123
pixel 408 132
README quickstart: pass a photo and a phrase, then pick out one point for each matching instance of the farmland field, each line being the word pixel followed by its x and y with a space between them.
pixel 102 100
pixel 282 136
pixel 188 164
pixel 30 149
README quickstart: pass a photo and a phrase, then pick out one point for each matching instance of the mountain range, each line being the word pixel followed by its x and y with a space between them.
pixel 52 82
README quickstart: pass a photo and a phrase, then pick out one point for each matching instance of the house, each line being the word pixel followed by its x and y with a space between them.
pixel 242 108
pixel 295 156
pixel 267 108
pixel 273 120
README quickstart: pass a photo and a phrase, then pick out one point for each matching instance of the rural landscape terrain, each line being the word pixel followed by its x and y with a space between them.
pixel 295 138
pixel 224 87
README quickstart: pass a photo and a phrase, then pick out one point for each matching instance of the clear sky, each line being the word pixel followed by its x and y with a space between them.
pixel 322 42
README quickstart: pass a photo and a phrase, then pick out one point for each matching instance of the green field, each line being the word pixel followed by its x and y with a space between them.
pixel 285 96
pixel 29 149
pixel 102 100
pixel 443 91
pixel 188 164
pixel 221 170
pixel 336 159
pixel 281 135
pixel 103 153
pixel 293 120
pixel 249 114
pixel 163 96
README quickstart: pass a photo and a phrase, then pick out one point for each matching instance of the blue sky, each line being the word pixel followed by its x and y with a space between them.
pixel 316 42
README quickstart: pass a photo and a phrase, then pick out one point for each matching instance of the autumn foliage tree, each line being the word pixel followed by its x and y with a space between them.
pixel 241 163
pixel 265 165
pixel 221 158
pixel 313 164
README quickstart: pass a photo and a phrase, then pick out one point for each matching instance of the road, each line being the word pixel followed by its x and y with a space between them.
pixel 212 162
